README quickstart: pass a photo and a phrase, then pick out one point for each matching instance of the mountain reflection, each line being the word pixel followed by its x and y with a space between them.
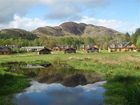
pixel 57 94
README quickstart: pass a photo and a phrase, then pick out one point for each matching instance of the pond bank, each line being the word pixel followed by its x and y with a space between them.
pixel 54 73
pixel 122 85
pixel 18 74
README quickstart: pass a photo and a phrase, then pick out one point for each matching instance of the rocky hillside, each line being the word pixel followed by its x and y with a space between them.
pixel 16 33
pixel 72 28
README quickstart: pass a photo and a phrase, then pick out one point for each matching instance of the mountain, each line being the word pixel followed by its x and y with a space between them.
pixel 16 33
pixel 64 29
pixel 77 29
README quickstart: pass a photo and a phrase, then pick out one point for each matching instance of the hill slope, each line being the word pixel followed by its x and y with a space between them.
pixel 16 33
pixel 72 28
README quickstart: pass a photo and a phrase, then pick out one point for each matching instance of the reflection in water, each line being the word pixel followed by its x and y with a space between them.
pixel 57 94
pixel 54 73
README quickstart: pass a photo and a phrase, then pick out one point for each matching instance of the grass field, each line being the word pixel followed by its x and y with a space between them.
pixel 100 62
pixel 121 70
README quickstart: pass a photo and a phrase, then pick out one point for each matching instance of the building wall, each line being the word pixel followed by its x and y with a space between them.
pixel 122 50
pixel 5 52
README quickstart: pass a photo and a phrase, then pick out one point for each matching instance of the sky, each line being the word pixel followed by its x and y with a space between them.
pixel 120 15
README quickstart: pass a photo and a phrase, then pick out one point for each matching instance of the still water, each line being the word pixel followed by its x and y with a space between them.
pixel 57 94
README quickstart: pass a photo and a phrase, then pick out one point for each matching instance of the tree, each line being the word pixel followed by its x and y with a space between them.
pixel 138 42
pixel 136 35
pixel 127 37
pixel 89 40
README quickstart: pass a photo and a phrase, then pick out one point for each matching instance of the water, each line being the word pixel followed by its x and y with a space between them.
pixel 54 93
pixel 56 73
pixel 57 94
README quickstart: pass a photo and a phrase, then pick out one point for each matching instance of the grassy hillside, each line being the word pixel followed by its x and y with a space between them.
pixel 76 29
pixel 16 33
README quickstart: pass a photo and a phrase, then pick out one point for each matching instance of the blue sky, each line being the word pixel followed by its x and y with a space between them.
pixel 121 15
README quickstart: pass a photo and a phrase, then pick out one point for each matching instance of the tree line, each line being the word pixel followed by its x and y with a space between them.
pixel 75 41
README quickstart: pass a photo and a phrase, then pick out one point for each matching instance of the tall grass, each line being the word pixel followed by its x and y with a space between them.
pixel 10 84
pixel 123 90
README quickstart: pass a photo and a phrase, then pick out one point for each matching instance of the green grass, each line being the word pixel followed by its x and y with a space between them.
pixel 15 82
pixel 123 90
pixel 106 63
pixel 10 84
pixel 121 70
pixel 6 100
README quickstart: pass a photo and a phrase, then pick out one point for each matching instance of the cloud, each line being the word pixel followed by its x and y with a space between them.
pixel 33 23
pixel 75 2
pixel 71 9
pixel 24 23
pixel 101 22
pixel 10 7
pixel 122 26
pixel 56 9
pixel 13 14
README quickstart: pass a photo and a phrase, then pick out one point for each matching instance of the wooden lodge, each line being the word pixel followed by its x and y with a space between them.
pixel 122 47
pixel 5 50
pixel 92 49
pixel 44 51
pixel 58 48
pixel 70 50
pixel 32 48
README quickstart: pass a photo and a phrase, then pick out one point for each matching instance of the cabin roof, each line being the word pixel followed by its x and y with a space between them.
pixel 119 45
pixel 4 48
pixel 34 47
pixel 45 49
pixel 70 49
pixel 92 48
